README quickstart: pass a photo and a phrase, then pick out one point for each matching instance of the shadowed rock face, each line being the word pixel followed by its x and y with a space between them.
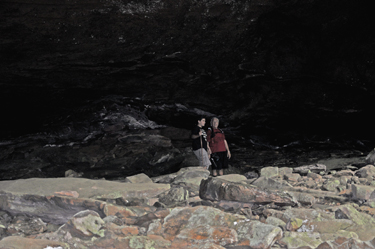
pixel 275 68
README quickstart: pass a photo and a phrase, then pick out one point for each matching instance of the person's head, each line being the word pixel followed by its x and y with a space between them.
pixel 215 122
pixel 201 121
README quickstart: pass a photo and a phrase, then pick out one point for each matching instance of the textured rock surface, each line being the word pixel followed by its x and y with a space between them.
pixel 42 197
pixel 131 217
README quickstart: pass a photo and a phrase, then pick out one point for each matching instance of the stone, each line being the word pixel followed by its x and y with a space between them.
pixel 233 177
pixel 294 177
pixel 16 242
pixel 364 224
pixel 360 192
pixel 368 170
pixel 276 222
pixel 344 173
pixel 302 198
pixel 285 171
pixel 23 226
pixel 215 189
pixel 191 177
pixel 234 205
pixel 355 180
pixel 72 173
pixel 311 184
pixel 123 231
pixel 140 178
pixel 202 223
pixel 314 176
pixel 202 234
pixel 370 158
pixel 309 214
pixel 269 172
pixel 294 224
pixel 299 240
pixel 344 180
pixel 175 195
pixel 325 226
pixel 270 183
pixel 257 234
pixel 343 242
pixel 340 233
pixel 73 194
pixel 168 178
pixel 251 175
pixel 305 169
pixel 331 185
pixel 85 224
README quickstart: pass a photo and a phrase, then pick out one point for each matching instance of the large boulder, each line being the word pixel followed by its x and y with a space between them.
pixel 215 189
pixel 367 171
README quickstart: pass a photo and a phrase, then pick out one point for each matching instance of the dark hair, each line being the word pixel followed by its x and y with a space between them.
pixel 199 118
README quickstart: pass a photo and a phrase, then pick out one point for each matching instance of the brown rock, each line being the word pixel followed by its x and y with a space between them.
pixel 292 177
pixel 198 235
pixel 344 173
pixel 314 176
pixel 192 217
pixel 68 193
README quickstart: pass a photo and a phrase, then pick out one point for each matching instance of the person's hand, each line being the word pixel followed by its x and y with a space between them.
pixel 228 154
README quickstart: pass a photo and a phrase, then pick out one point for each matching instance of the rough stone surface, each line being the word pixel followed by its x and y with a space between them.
pixel 217 189
pixel 226 215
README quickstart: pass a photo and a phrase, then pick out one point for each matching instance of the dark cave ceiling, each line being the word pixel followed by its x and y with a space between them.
pixel 269 66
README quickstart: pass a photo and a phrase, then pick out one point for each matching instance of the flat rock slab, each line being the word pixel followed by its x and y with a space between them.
pixel 16 242
pixel 85 188
pixel 56 200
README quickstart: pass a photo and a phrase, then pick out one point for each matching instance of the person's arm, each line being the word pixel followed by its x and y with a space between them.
pixel 209 135
pixel 194 136
pixel 227 148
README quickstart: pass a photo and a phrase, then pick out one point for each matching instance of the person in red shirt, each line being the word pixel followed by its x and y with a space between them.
pixel 219 148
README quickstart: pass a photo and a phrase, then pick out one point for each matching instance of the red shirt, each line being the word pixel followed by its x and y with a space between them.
pixel 217 142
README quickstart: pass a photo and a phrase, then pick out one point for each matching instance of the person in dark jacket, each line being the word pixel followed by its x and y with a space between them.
pixel 200 145
pixel 219 148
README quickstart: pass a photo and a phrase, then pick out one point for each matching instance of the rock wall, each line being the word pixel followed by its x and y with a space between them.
pixel 267 65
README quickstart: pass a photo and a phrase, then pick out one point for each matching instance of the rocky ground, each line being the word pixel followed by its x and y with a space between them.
pixel 304 207
pixel 98 99
pixel 106 176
